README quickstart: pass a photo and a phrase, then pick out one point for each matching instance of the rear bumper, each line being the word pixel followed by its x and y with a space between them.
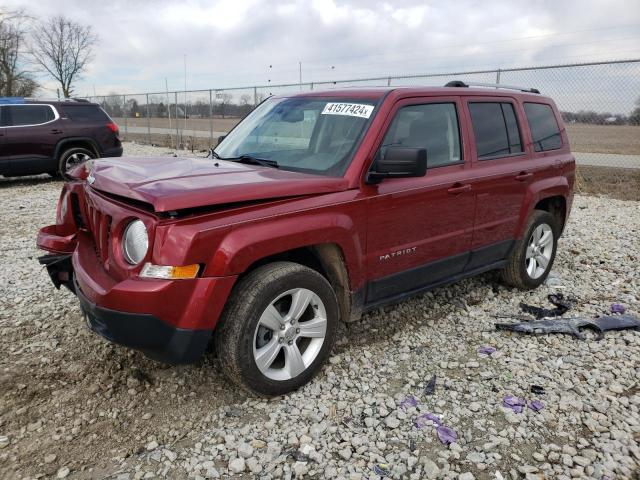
pixel 112 152
pixel 145 332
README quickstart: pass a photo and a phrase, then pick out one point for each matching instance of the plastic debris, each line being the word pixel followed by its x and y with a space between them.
pixel 446 435
pixel 562 306
pixel 487 350
pixel 514 403
pixel 408 402
pixel 572 326
pixel 537 389
pixel 430 388
pixel 382 470
pixel 427 419
pixel 536 405
pixel 618 308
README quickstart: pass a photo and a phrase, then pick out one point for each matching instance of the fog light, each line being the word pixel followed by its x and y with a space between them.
pixel 170 273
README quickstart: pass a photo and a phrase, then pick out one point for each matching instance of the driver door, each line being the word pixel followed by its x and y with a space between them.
pixel 419 230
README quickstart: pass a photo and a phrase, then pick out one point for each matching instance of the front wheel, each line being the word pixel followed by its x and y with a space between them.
pixel 532 257
pixel 277 329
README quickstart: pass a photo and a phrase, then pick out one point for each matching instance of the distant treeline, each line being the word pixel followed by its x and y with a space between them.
pixel 594 118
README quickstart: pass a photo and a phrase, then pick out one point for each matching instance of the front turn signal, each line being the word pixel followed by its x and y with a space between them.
pixel 169 273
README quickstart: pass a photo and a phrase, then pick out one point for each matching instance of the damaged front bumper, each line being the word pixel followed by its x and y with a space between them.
pixel 145 332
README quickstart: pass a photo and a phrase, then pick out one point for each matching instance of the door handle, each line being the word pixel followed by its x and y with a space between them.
pixel 523 176
pixel 55 131
pixel 457 189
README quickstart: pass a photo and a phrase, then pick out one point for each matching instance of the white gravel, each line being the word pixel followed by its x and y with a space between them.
pixel 75 406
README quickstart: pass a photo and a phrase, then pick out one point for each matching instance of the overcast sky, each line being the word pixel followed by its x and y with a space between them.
pixel 234 42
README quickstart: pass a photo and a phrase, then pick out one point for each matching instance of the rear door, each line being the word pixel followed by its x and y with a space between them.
pixel 419 230
pixel 502 173
pixel 31 137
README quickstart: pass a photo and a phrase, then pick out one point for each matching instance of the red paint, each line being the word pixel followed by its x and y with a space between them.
pixel 246 213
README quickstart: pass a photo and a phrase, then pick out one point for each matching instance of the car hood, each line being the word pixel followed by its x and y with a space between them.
pixel 177 183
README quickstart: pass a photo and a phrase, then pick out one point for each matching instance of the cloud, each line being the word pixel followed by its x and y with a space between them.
pixel 246 42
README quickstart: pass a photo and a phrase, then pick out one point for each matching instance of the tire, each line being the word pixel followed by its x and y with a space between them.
pixel 75 155
pixel 518 272
pixel 267 296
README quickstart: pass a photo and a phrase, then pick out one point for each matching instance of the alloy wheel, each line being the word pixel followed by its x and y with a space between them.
pixel 290 334
pixel 539 251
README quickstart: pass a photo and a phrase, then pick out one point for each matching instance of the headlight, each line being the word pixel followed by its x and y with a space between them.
pixel 135 242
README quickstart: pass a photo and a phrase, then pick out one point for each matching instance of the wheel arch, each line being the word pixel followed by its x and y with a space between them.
pixel 73 142
pixel 550 195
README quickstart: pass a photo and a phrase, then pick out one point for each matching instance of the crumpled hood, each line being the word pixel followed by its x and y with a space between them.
pixel 176 183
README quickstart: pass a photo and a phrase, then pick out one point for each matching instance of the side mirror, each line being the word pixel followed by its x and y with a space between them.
pixel 399 162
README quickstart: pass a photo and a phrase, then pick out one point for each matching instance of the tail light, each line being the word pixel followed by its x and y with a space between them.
pixel 113 127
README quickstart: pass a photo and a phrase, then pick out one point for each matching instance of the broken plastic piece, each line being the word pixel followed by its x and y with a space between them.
pixel 487 350
pixel 427 419
pixel 536 405
pixel 446 435
pixel 572 325
pixel 408 402
pixel 514 403
pixel 382 470
pixel 537 389
pixel 618 308
pixel 562 306
pixel 431 386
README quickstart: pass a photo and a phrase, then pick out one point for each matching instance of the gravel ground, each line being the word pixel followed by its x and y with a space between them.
pixel 75 406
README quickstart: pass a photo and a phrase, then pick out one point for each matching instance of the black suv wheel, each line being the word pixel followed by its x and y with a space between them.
pixel 72 158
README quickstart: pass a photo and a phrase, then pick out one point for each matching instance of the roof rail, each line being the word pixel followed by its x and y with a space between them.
pixel 461 84
pixel 11 100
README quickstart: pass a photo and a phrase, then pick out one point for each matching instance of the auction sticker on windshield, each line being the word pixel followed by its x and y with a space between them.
pixel 349 109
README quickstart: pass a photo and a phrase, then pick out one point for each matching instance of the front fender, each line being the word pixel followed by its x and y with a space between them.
pixel 539 190
pixel 246 244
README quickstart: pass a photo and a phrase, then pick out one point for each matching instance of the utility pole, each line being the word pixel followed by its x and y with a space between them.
pixel 185 93
pixel 166 86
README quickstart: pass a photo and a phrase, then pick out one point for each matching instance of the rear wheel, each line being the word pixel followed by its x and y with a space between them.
pixel 73 157
pixel 532 257
pixel 277 329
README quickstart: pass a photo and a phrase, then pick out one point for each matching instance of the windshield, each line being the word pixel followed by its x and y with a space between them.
pixel 312 134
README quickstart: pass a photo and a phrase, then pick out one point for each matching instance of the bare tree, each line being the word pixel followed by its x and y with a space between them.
pixel 14 80
pixel 64 49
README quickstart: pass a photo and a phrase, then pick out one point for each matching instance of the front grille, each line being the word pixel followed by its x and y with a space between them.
pixel 99 225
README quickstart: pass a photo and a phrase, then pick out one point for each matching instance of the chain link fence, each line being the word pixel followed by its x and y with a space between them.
pixel 600 103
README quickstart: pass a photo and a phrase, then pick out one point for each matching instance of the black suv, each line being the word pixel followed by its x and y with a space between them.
pixel 40 136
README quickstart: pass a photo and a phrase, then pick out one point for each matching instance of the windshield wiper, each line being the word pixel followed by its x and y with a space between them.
pixel 253 161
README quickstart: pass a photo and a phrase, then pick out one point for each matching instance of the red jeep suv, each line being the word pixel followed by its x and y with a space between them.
pixel 315 208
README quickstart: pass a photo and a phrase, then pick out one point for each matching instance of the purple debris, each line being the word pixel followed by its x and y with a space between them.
pixel 408 402
pixel 536 405
pixel 431 386
pixel 514 403
pixel 617 308
pixel 446 435
pixel 381 470
pixel 487 350
pixel 427 419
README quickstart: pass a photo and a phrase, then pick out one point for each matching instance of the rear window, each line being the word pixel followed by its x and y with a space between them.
pixel 85 113
pixel 544 127
pixel 495 128
pixel 18 115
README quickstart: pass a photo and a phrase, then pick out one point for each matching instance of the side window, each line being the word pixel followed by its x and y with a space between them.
pixel 433 126
pixel 495 128
pixel 85 113
pixel 4 121
pixel 544 127
pixel 29 114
